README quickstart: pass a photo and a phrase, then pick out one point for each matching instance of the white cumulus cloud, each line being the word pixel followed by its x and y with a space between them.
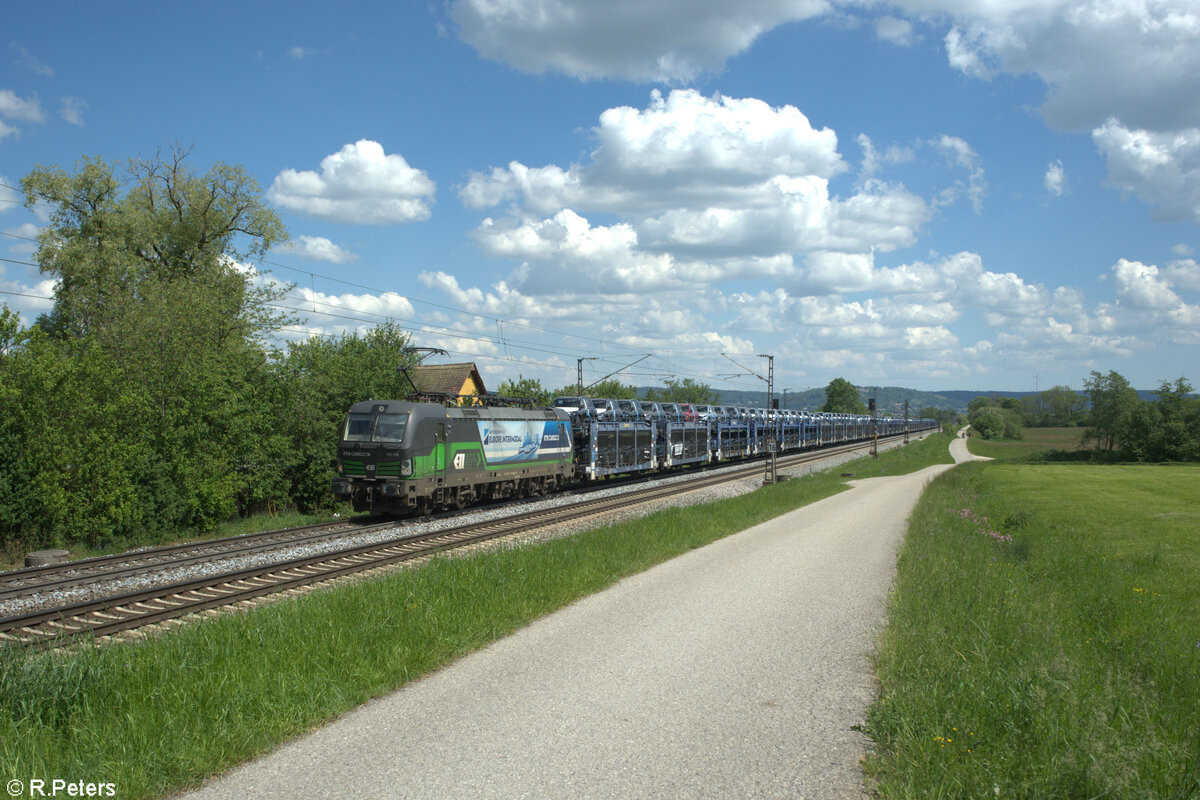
pixel 929 337
pixel 731 182
pixel 1163 169
pixel 566 251
pixel 721 138
pixel 666 40
pixel 1148 305
pixel 1185 274
pixel 359 183
pixel 682 150
pixel 1140 285
pixel 964 54
pixel 389 305
pixel 317 248
pixel 1135 59
pixel 19 108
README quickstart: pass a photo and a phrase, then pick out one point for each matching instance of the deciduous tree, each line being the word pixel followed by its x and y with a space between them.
pixel 841 397
pixel 149 271
pixel 316 383
pixel 530 388
pixel 1166 430
pixel 1112 406
pixel 612 389
pixel 686 390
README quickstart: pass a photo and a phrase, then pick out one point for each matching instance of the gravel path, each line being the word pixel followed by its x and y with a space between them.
pixel 737 670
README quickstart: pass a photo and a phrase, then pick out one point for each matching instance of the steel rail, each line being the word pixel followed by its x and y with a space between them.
pixel 51 577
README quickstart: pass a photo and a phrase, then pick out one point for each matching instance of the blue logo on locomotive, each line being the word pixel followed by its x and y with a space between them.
pixel 522 440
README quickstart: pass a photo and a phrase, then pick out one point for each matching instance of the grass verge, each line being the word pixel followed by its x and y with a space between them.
pixel 1044 637
pixel 164 714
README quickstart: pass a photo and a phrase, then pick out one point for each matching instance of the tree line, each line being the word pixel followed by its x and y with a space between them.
pixel 148 399
pixel 684 390
pixel 1120 425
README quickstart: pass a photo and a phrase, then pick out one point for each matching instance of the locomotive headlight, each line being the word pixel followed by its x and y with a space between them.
pixel 406 468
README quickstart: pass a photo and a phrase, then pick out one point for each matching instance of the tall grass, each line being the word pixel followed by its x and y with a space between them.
pixel 1044 637
pixel 933 449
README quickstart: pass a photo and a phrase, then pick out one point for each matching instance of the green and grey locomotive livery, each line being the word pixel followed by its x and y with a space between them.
pixel 402 457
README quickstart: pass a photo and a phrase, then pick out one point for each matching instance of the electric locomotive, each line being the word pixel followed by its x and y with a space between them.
pixel 401 457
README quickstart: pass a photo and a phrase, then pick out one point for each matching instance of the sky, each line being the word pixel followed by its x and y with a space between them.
pixel 980 194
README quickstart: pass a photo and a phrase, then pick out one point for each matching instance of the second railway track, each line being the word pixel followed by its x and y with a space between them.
pixel 55 577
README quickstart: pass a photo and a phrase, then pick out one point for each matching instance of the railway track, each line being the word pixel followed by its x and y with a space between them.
pixel 56 577
pixel 110 615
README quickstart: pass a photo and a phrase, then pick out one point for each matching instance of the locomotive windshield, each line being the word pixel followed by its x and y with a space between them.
pixel 375 427
pixel 390 427
pixel 358 428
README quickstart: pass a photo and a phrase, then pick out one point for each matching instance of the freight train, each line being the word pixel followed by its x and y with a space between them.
pixel 402 457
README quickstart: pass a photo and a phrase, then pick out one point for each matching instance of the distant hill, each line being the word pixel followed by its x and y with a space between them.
pixel 960 397
pixel 889 399
pixel 965 397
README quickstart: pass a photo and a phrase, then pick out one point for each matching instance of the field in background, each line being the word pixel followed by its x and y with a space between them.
pixel 1044 637
pixel 1038 442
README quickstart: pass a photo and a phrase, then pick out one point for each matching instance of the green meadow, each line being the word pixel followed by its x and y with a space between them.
pixel 1035 444
pixel 1044 637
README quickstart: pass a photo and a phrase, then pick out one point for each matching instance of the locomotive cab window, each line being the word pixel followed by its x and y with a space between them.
pixel 358 428
pixel 375 427
pixel 390 427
